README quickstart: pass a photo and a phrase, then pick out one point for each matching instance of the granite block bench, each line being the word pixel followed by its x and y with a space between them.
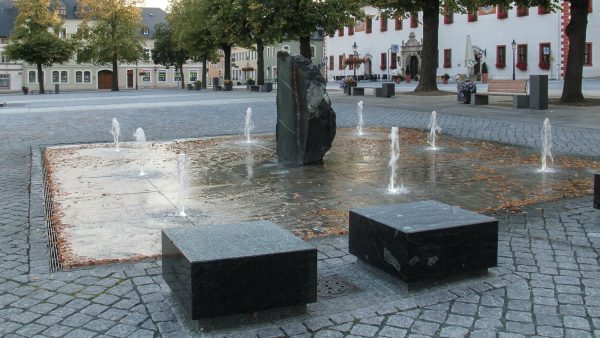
pixel 597 191
pixel 2 104
pixel 357 91
pixel 424 240
pixel 220 270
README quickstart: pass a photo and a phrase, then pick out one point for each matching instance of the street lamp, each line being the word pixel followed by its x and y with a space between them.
pixel 514 48
pixel 355 50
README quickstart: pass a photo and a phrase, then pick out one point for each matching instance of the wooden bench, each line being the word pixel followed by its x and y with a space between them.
pixel 515 88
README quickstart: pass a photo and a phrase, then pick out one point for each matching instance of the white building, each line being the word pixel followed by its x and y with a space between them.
pixel 541 45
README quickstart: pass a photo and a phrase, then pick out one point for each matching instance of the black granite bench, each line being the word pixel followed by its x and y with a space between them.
pixel 423 240
pixel 2 104
pixel 597 191
pixel 357 91
pixel 219 270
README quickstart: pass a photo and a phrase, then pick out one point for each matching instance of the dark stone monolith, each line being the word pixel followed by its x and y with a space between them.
pixel 305 120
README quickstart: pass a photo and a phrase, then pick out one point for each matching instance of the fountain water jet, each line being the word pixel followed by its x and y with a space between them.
pixel 434 129
pixel 394 158
pixel 182 176
pixel 115 131
pixel 359 110
pixel 140 138
pixel 546 146
pixel 249 125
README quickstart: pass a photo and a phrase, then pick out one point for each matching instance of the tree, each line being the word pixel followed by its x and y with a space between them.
pixel 35 37
pixel 301 18
pixel 110 34
pixel 193 34
pixel 167 51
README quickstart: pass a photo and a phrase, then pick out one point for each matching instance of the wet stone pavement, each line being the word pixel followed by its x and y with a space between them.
pixel 547 282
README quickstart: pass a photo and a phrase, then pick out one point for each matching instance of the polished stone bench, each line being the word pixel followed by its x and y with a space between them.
pixel 597 191
pixel 357 91
pixel 423 240
pixel 219 270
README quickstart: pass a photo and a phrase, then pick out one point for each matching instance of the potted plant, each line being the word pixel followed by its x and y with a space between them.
pixel 250 82
pixel 228 85
pixel 25 90
pixel 445 78
pixel 347 83
pixel 484 73
pixel 198 84
pixel 407 74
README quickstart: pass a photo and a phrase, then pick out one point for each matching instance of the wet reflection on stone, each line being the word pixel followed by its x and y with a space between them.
pixel 99 197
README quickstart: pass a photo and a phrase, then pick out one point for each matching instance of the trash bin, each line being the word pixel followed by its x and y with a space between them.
pixel 56 88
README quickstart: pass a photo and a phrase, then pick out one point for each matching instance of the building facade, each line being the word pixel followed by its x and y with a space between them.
pixel 391 46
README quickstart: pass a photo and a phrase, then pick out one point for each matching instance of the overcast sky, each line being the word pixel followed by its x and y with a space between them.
pixel 156 3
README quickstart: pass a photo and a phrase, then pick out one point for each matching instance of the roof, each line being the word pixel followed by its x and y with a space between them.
pixel 152 16
pixel 8 13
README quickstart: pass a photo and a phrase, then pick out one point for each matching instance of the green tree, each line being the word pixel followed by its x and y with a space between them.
pixel 110 34
pixel 167 51
pixel 35 39
pixel 261 20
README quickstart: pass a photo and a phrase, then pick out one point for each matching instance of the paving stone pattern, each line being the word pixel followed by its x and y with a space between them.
pixel 547 282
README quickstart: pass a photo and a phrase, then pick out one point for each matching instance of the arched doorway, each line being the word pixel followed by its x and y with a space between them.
pixel 414 66
pixel 105 79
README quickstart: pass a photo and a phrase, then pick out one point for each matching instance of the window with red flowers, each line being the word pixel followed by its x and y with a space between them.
pixel 522 57
pixel 351 30
pixel 501 56
pixel 543 10
pixel 472 17
pixel 447 58
pixel 383 23
pixel 393 61
pixel 383 62
pixel 414 20
pixel 331 65
pixel 398 24
pixel 341 31
pixel 502 13
pixel 522 11
pixel 544 56
pixel 369 25
pixel 587 54
pixel 341 62
pixel 448 17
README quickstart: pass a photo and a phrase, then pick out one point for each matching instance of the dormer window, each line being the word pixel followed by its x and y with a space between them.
pixel 62 10
pixel 146 30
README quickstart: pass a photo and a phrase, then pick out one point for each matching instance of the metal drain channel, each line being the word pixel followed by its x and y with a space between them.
pixel 334 286
pixel 50 231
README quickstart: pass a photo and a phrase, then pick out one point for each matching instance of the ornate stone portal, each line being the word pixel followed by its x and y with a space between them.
pixel 410 55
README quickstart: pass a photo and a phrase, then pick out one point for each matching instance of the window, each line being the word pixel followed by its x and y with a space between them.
pixel 62 33
pixel 383 61
pixel 64 76
pixel 62 10
pixel 162 75
pixel 543 10
pixel 414 20
pixel 522 57
pixel 369 25
pixel 383 23
pixel 87 76
pixel 78 76
pixel 5 81
pixel 145 30
pixel 522 11
pixel 331 65
pixel 544 56
pixel 313 51
pixel 147 54
pixel 145 75
pixel 55 76
pixel 341 62
pixel 500 57
pixel 3 41
pixel 398 24
pixel 32 78
pixel 176 75
pixel 3 57
pixel 502 13
pixel 448 17
pixel 193 75
pixel 587 54
pixel 332 34
pixel 351 30
pixel 472 17
pixel 447 58
pixel 393 61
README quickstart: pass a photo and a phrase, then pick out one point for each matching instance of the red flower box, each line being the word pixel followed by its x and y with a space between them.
pixel 500 65
pixel 522 66
pixel 544 66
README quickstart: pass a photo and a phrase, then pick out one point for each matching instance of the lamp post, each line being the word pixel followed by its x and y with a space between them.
pixel 355 51
pixel 514 48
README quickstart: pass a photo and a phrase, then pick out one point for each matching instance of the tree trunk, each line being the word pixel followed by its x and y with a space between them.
pixel 429 55
pixel 115 76
pixel 260 62
pixel 180 67
pixel 204 71
pixel 576 31
pixel 40 78
pixel 227 51
pixel 305 49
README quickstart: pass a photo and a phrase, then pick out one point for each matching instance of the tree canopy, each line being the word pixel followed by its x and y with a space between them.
pixel 167 51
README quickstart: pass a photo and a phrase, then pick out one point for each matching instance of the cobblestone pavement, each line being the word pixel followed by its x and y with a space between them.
pixel 547 282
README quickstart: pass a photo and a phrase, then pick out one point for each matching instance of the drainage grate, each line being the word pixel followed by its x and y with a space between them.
pixel 52 239
pixel 334 286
